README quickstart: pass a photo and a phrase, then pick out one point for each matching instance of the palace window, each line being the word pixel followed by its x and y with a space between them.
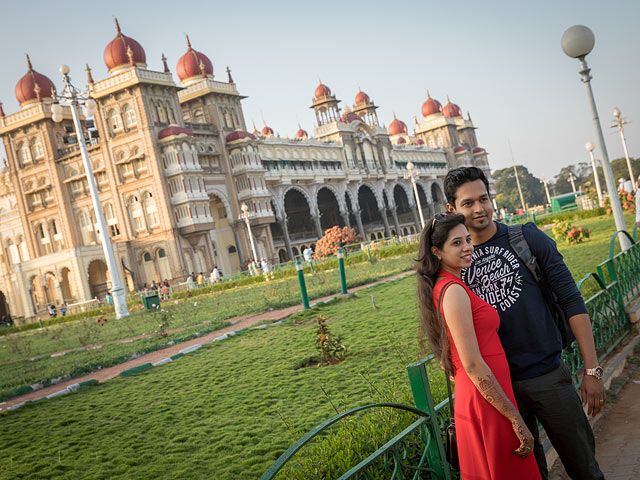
pixel 115 121
pixel 150 209
pixel 36 148
pixel 24 153
pixel 129 116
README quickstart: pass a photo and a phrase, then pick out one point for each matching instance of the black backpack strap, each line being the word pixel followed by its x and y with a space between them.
pixel 523 250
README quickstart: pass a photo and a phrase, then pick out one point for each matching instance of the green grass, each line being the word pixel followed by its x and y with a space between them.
pixel 230 409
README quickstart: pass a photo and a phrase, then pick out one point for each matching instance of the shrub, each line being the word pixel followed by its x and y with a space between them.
pixel 331 347
pixel 332 239
pixel 570 233
pixel 571 216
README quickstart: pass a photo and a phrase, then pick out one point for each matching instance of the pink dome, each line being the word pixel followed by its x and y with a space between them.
pixel 26 86
pixel 451 110
pixel 479 150
pixel 401 140
pixel 302 133
pixel 419 142
pixel 266 131
pixel 174 131
pixel 322 91
pixel 193 64
pixel 239 135
pixel 349 117
pixel 460 148
pixel 431 106
pixel 397 127
pixel 361 97
pixel 115 53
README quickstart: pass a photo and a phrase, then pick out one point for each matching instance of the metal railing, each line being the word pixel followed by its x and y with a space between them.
pixel 417 452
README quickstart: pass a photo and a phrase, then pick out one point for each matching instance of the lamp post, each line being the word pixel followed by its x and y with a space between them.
pixel 619 122
pixel 590 147
pixel 412 175
pixel 572 179
pixel 546 190
pixel 246 215
pixel 73 98
pixel 577 42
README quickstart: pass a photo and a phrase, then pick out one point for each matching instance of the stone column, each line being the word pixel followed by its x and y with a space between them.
pixel 316 221
pixel 345 217
pixel 394 213
pixel 239 247
pixel 387 232
pixel 284 224
pixel 359 222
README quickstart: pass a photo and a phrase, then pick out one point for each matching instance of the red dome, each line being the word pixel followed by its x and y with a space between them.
pixel 397 127
pixel 25 88
pixel 193 64
pixel 361 97
pixel 401 140
pixel 174 130
pixel 419 142
pixel 239 135
pixel 349 117
pixel 301 133
pixel 451 110
pixel 431 106
pixel 322 91
pixel 479 150
pixel 115 54
pixel 266 131
pixel 460 148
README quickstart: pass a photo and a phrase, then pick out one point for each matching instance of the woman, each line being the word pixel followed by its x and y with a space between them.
pixel 493 439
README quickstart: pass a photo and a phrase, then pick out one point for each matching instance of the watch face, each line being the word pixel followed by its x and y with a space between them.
pixel 599 372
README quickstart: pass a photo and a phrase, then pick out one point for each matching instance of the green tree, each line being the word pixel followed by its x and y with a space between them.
pixel 507 190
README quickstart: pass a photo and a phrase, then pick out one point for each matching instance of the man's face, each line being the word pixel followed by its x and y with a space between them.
pixel 473 201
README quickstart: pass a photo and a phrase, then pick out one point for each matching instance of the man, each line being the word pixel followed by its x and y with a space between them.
pixel 541 382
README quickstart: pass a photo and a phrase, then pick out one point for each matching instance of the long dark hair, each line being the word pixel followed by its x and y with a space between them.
pixel 435 234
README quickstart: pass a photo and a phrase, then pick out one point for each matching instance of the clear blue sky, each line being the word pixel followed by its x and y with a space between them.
pixel 499 60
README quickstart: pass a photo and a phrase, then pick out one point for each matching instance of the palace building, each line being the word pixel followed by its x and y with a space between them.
pixel 174 163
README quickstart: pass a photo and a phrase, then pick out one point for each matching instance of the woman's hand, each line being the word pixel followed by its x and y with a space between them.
pixel 524 435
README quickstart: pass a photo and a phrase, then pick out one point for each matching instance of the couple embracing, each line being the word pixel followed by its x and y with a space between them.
pixel 490 322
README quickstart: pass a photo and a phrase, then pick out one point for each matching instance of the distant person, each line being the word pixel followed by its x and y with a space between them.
pixel 625 185
pixel 165 289
pixel 216 276
pixel 63 310
pixel 52 311
pixel 109 299
pixel 307 254
pixel 190 280
pixel 200 279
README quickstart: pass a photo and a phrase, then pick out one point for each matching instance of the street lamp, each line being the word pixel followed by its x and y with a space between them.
pixel 577 42
pixel 73 98
pixel 246 215
pixel 619 122
pixel 546 190
pixel 590 147
pixel 412 175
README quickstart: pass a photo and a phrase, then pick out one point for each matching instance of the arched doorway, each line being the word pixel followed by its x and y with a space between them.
pixel 65 285
pixel 37 294
pixel 282 255
pixel 369 211
pixel 300 224
pixel 5 311
pixel 438 198
pixel 163 264
pixel 98 277
pixel 295 251
pixel 329 209
pixel 50 288
pixel 148 267
pixel 403 209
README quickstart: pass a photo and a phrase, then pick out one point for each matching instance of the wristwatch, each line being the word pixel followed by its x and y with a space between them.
pixel 597 372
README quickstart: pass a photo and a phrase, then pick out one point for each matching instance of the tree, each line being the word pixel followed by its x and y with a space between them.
pixel 507 190
pixel 332 239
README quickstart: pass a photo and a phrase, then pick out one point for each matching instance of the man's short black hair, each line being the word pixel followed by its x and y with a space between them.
pixel 460 176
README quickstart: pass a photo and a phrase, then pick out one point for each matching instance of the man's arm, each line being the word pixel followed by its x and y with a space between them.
pixel 559 277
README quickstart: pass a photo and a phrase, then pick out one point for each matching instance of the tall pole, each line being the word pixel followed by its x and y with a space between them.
pixel 117 292
pixel 412 176
pixel 253 247
pixel 596 177
pixel 546 190
pixel 524 207
pixel 619 122
pixel 618 216
pixel 572 179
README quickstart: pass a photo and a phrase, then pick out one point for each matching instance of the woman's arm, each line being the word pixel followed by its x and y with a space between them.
pixel 456 306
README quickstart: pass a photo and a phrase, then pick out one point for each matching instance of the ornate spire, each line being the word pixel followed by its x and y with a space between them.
pixel 89 76
pixel 1 110
pixel 229 73
pixel 188 42
pixel 448 101
pixel 428 94
pixel 255 130
pixel 415 119
pixel 164 62
pixel 117 26
pixel 30 68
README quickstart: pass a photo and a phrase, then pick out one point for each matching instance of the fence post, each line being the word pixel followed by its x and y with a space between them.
pixel 303 286
pixel 343 278
pixel 422 397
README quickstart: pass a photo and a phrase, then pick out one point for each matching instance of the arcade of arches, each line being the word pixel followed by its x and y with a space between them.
pixel 373 212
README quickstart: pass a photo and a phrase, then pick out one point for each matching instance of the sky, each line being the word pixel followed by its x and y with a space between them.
pixel 499 60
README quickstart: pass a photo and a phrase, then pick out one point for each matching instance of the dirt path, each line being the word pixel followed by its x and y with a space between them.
pixel 237 323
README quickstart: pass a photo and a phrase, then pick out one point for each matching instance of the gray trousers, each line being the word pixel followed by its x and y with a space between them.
pixel 553 400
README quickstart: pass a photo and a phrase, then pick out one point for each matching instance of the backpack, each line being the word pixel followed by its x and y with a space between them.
pixel 523 250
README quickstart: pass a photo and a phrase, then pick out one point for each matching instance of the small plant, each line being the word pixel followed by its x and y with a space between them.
pixel 331 347
pixel 164 321
pixel 570 233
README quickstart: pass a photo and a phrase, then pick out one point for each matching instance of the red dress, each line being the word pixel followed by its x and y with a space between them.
pixel 485 437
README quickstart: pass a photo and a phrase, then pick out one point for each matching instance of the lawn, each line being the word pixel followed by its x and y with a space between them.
pixel 228 410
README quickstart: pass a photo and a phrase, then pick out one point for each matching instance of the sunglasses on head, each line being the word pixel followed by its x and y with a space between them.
pixel 438 217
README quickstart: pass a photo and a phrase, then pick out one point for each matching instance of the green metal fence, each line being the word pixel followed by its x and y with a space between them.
pixel 416 453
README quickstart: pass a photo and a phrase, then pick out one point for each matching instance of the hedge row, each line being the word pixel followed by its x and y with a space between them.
pixel 570 216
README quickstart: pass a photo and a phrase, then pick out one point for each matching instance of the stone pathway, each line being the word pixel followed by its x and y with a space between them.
pixel 237 323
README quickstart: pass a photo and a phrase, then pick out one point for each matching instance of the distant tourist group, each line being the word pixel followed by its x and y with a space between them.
pixel 499 325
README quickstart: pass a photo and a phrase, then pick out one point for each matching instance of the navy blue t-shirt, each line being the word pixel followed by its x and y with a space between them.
pixel 527 331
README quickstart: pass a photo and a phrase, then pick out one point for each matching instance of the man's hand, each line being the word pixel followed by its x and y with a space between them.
pixel 593 394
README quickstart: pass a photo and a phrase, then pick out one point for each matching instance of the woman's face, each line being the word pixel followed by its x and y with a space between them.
pixel 457 249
